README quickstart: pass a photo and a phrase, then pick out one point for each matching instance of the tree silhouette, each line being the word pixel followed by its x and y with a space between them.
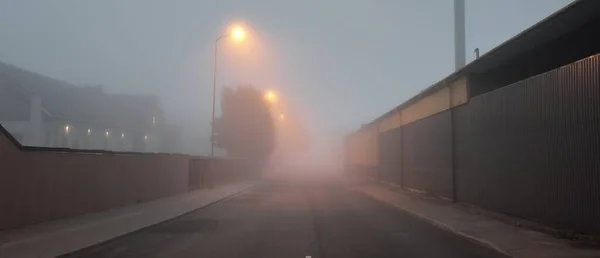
pixel 245 128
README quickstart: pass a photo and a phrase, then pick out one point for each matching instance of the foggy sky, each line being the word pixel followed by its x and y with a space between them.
pixel 341 63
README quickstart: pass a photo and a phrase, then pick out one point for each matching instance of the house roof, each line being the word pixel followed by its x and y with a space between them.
pixel 552 27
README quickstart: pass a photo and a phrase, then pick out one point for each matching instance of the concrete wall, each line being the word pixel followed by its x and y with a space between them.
pixel 38 185
pixel 206 172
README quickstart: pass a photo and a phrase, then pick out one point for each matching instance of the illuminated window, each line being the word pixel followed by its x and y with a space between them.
pixel 153 120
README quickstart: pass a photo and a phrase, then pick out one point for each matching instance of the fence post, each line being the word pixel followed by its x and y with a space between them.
pixel 452 145
pixel 453 153
pixel 210 173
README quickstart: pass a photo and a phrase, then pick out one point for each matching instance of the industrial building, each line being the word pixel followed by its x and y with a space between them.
pixel 515 131
pixel 44 112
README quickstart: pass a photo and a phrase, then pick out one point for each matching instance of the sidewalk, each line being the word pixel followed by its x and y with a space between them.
pixel 508 239
pixel 64 236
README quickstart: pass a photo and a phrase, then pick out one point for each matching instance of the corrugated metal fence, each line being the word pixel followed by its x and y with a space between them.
pixel 390 167
pixel 427 154
pixel 530 149
pixel 533 148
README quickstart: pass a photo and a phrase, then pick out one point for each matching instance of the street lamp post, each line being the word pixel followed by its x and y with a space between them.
pixel 237 33
pixel 212 128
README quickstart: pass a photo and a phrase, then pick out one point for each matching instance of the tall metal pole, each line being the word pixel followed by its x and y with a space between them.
pixel 212 124
pixel 459 34
pixel 459 62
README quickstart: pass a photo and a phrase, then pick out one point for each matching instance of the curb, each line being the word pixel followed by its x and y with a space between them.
pixel 62 241
pixel 593 241
pixel 162 222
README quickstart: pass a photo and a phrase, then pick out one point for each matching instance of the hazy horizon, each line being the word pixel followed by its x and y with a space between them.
pixel 337 64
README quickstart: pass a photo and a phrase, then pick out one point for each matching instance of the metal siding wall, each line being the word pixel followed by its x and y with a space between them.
pixel 374 146
pixel 351 151
pixel 390 151
pixel 532 148
pixel 462 151
pixel 459 92
pixel 390 122
pixel 363 152
pixel 437 102
pixel 427 155
pixel 369 146
pixel 566 49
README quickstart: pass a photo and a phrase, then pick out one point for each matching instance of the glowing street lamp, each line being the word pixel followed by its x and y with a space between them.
pixel 238 33
pixel 270 96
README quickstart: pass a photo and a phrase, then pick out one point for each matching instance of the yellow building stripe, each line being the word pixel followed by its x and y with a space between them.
pixel 363 145
pixel 390 122
pixel 447 97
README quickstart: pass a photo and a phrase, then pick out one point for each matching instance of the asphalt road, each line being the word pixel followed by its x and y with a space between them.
pixel 283 219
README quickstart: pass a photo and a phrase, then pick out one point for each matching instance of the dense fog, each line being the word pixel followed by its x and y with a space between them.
pixel 139 75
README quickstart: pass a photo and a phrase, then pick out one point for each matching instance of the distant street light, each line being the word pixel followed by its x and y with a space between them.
pixel 238 33
pixel 271 96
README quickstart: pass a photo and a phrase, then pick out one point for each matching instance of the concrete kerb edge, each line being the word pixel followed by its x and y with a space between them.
pixel 252 185
pixel 524 223
pixel 442 226
pixel 520 222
